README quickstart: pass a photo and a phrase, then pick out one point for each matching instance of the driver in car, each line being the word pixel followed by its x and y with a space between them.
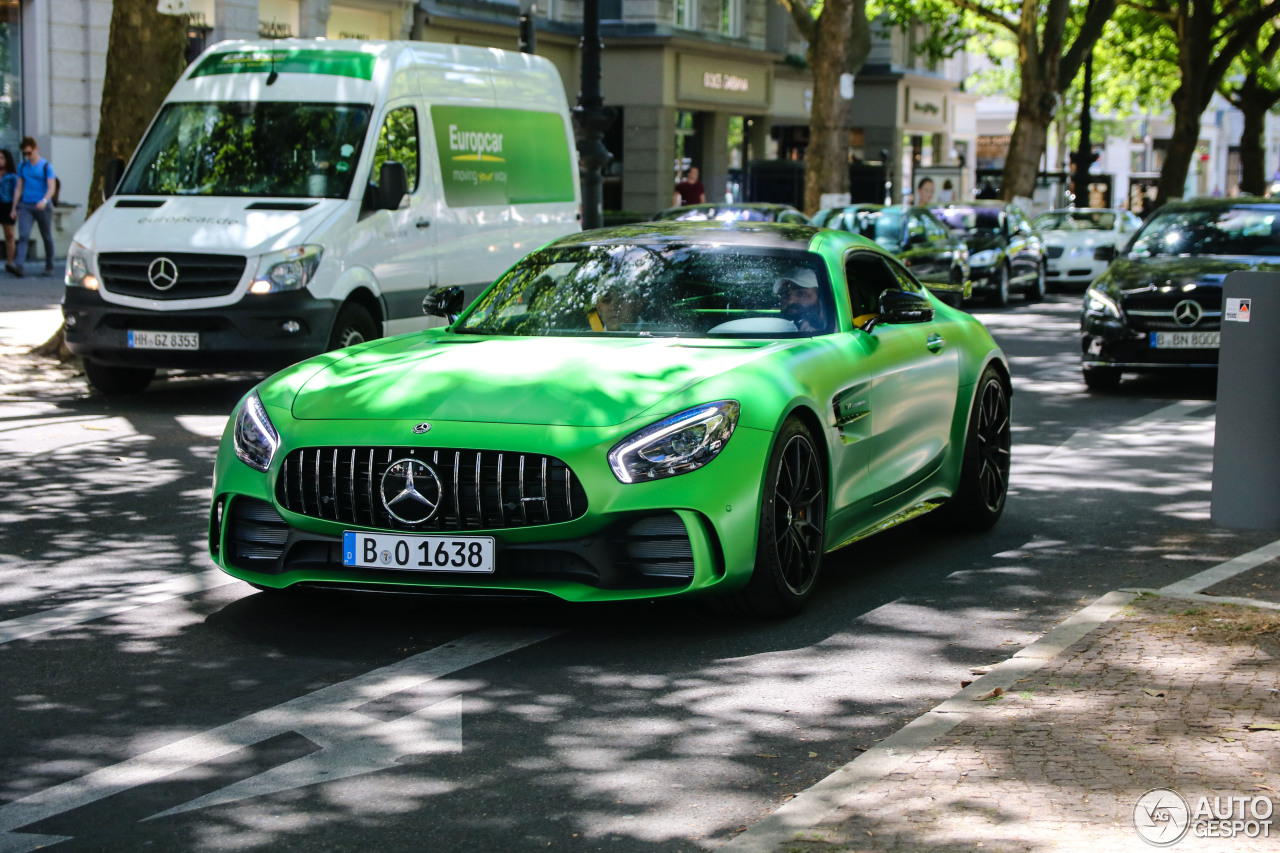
pixel 616 307
pixel 800 301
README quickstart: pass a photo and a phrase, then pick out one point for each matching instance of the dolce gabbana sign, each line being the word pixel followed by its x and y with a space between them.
pixel 701 78
pixel 925 106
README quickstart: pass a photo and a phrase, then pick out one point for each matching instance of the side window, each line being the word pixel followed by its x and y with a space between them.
pixel 868 275
pixel 935 228
pixel 904 279
pixel 398 142
pixel 915 226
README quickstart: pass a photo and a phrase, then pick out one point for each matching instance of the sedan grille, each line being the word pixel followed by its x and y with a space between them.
pixel 478 490
pixel 189 275
pixel 1199 310
pixel 1053 251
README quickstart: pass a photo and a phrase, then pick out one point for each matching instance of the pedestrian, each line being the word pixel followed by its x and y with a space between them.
pixel 690 190
pixel 8 184
pixel 33 202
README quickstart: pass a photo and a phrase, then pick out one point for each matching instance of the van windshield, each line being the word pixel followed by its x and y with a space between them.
pixel 250 149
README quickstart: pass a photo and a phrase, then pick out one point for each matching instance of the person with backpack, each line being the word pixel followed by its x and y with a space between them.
pixel 8 184
pixel 33 202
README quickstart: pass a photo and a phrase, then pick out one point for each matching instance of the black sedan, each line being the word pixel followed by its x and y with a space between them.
pixel 1159 303
pixel 916 237
pixel 735 212
pixel 1006 255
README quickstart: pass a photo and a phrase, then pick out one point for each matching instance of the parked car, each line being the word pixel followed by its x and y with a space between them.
pixel 1159 304
pixel 1006 255
pixel 643 411
pixel 1071 235
pixel 735 212
pixel 916 237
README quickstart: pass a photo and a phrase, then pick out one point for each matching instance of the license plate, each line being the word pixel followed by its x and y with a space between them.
pixel 1184 340
pixel 163 340
pixel 418 553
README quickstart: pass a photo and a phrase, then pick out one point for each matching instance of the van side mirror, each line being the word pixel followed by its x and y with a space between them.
pixel 446 302
pixel 393 185
pixel 1104 253
pixel 111 177
pixel 903 306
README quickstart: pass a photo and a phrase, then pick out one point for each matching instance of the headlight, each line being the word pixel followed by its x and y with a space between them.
pixel 1097 302
pixel 78 268
pixel 985 258
pixel 291 269
pixel 676 445
pixel 254 436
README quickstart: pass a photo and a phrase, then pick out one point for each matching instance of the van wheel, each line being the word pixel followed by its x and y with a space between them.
pixel 354 325
pixel 113 380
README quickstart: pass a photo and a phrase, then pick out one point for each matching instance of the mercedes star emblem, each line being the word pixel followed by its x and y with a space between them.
pixel 163 273
pixel 421 428
pixel 1187 313
pixel 411 491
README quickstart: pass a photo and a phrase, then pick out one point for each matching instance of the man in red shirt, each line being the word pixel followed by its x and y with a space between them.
pixel 690 190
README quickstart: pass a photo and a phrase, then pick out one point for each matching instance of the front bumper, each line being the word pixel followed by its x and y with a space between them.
pixel 1107 342
pixel 1069 270
pixel 249 335
pixel 683 535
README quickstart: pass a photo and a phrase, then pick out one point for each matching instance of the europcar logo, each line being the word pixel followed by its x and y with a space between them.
pixel 477 146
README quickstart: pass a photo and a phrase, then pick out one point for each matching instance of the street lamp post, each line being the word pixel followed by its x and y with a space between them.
pixel 591 118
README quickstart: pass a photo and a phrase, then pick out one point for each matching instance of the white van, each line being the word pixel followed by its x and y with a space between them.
pixel 296 196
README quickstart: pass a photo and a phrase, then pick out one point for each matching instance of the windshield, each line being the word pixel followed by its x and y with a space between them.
pixel 250 149
pixel 635 290
pixel 970 219
pixel 1075 220
pixel 1219 231
pixel 883 226
pixel 721 214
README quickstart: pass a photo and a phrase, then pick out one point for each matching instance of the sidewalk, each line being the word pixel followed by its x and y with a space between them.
pixel 1055 747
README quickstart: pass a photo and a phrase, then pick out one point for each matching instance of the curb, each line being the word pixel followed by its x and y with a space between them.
pixel 810 807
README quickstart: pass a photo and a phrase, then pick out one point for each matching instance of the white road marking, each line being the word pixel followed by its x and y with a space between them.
pixel 79 612
pixel 1086 440
pixel 1222 571
pixel 351 741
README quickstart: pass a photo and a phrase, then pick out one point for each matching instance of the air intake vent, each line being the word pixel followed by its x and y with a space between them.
pixel 256 534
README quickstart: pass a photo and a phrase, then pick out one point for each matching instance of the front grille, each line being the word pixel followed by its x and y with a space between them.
pixel 199 276
pixel 1053 251
pixel 1154 311
pixel 256 535
pixel 480 490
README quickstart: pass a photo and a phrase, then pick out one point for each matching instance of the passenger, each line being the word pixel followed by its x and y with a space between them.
pixel 616 306
pixel 800 301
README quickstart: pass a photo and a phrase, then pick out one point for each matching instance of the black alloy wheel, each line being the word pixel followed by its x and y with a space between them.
pixel 792 534
pixel 1038 287
pixel 1000 296
pixel 1101 378
pixel 980 496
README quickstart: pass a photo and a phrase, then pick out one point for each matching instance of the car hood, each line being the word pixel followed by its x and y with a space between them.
pixel 1083 239
pixel 205 224
pixel 978 241
pixel 1128 275
pixel 588 382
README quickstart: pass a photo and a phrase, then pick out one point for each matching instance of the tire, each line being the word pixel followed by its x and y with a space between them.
pixel 789 544
pixel 1000 296
pixel 117 381
pixel 1038 290
pixel 354 325
pixel 983 489
pixel 1101 378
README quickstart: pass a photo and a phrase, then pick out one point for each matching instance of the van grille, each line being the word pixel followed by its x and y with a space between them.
pixel 480 490
pixel 199 276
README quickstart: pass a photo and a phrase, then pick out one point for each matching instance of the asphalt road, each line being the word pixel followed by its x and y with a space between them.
pixel 149 702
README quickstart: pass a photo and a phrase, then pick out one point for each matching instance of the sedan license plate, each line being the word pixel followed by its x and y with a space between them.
pixel 418 553
pixel 1184 340
pixel 163 340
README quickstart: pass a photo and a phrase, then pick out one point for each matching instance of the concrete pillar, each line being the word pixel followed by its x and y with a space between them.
pixel 648 158
pixel 714 130
pixel 756 135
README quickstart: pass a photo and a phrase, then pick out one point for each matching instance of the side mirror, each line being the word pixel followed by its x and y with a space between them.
pixel 917 239
pixel 393 184
pixel 903 306
pixel 1104 253
pixel 446 302
pixel 111 177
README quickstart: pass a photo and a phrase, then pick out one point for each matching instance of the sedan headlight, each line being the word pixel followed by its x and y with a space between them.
pixel 1097 302
pixel 78 268
pixel 985 258
pixel 679 444
pixel 291 269
pixel 255 437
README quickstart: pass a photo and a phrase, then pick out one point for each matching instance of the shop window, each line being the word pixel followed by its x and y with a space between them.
pixel 398 142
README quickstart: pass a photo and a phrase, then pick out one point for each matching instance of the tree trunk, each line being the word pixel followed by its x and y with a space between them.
pixel 827 158
pixel 1188 105
pixel 145 57
pixel 1254 105
pixel 1030 135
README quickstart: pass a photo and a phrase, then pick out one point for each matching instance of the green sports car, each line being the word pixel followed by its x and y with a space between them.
pixel 651 410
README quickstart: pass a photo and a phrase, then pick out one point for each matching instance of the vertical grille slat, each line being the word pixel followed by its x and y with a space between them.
pixel 344 484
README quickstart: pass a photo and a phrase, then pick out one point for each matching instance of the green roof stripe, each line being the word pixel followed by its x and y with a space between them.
pixel 340 63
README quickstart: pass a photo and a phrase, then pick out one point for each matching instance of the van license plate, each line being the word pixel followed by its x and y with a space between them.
pixel 163 340
pixel 472 554
pixel 1184 340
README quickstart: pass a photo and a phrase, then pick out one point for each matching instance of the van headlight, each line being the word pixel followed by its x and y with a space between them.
pixel 291 269
pixel 78 268
pixel 679 444
pixel 1097 302
pixel 255 437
